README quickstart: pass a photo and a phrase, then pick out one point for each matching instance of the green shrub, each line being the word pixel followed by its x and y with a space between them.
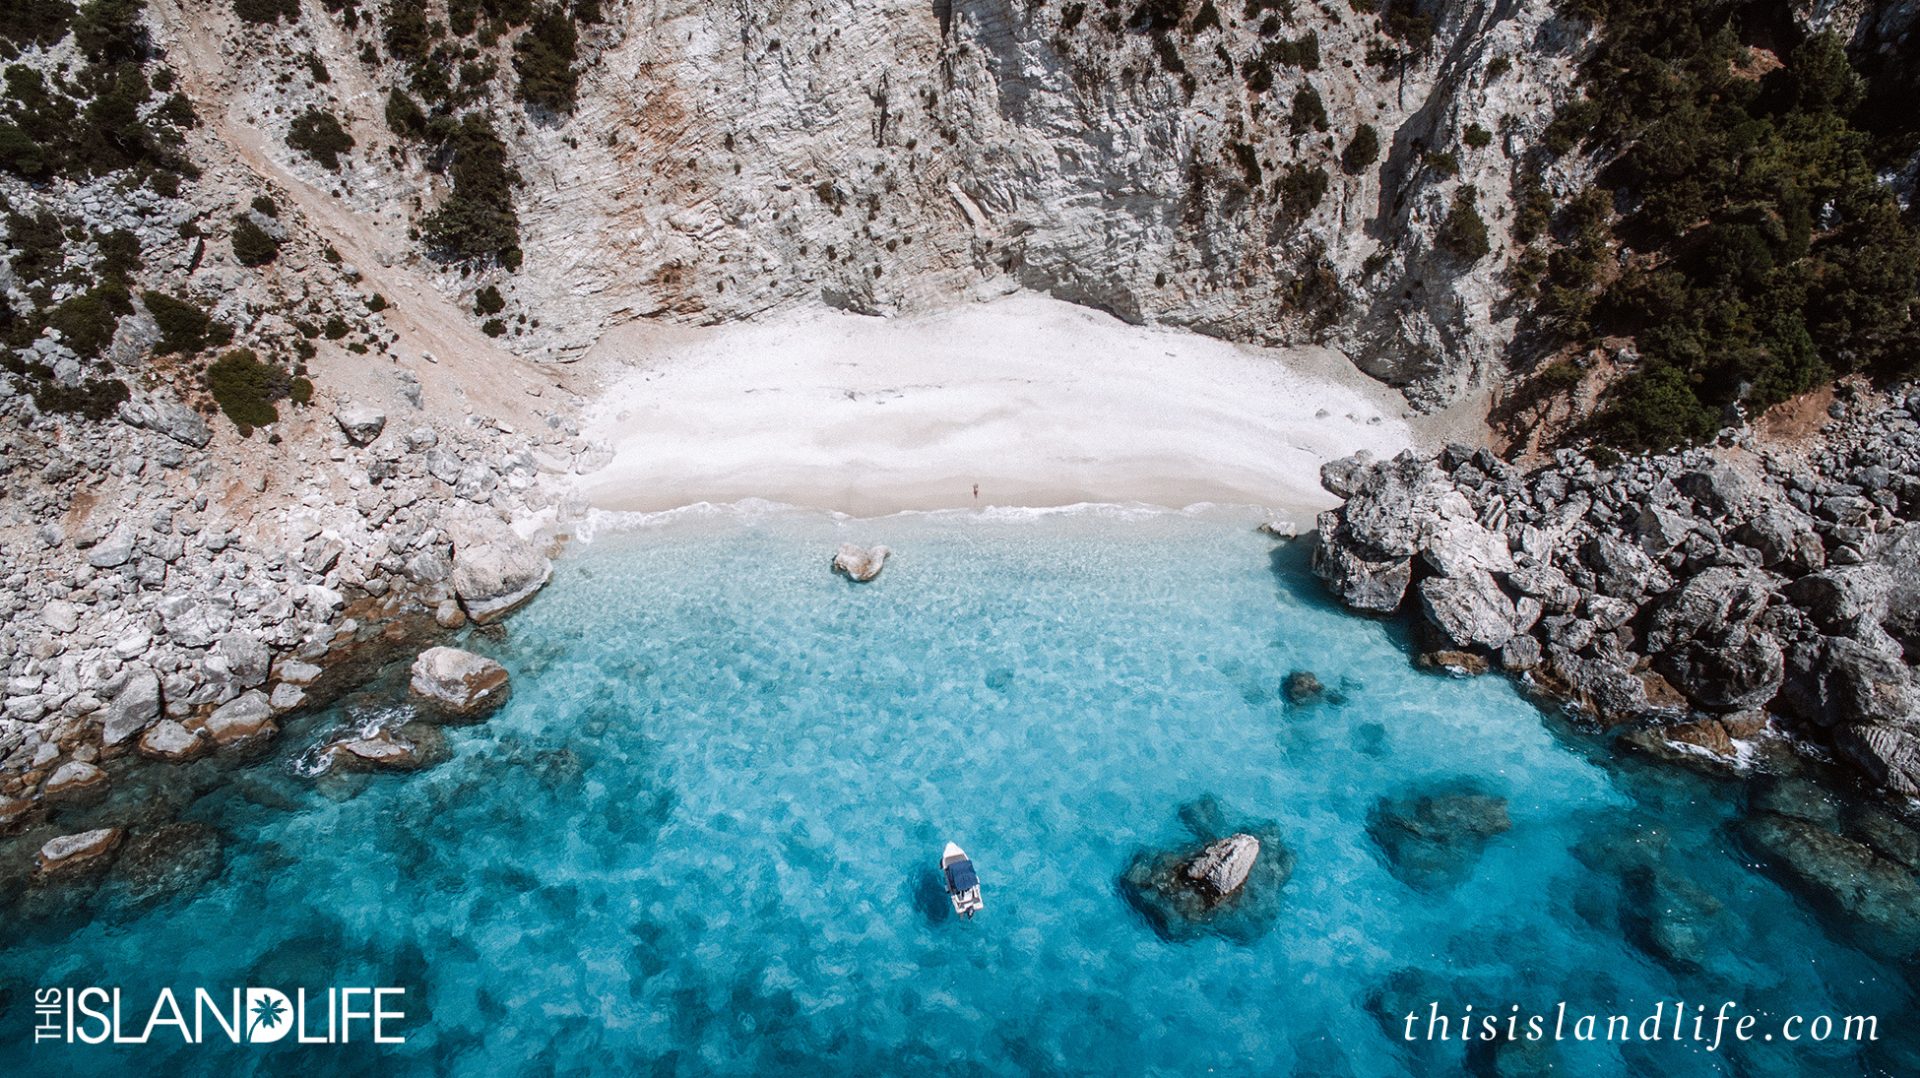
pixel 1443 162
pixel 110 32
pixel 184 327
pixel 1362 152
pixel 1300 189
pixel 476 220
pixel 300 391
pixel 95 398
pixel 319 135
pixel 404 114
pixel 1308 113
pixel 87 321
pixel 252 245
pixel 35 22
pixel 493 327
pixel 336 327
pixel 543 58
pixel 246 388
pixel 376 303
pixel 262 12
pixel 265 206
pixel 488 301
pixel 1477 137
pixel 1499 66
pixel 1463 234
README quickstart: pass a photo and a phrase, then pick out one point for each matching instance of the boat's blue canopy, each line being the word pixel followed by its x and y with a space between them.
pixel 960 876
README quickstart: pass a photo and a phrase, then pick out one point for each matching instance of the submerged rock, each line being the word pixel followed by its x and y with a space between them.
pixel 1432 841
pixel 458 684
pixel 1302 687
pixel 413 747
pixel 171 861
pixel 860 564
pixel 1873 896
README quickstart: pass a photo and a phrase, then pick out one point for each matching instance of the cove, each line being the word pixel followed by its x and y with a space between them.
pixel 701 836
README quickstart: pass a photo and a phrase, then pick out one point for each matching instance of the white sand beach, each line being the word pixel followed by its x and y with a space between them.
pixel 1037 401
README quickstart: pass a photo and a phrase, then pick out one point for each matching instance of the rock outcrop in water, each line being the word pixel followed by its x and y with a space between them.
pixel 1689 590
pixel 458 684
pixel 1225 884
pixel 858 563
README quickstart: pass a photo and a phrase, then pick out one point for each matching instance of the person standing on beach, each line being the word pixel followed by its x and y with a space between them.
pixel 976 492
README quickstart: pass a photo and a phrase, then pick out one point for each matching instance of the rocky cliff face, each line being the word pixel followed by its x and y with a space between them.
pixel 1704 594
pixel 1168 161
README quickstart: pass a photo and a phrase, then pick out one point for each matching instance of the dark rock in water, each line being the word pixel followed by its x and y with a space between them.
pixel 1457 663
pixel 170 861
pixel 1302 687
pixel 413 747
pixel 1229 886
pixel 1433 840
pixel 1670 917
pixel 1876 898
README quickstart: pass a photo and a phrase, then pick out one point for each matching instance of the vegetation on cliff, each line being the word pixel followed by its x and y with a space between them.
pixel 1738 234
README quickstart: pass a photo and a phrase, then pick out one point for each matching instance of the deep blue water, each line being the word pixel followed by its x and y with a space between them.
pixel 699 838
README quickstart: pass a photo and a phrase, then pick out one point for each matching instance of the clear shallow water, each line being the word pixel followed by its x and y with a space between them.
pixel 699 837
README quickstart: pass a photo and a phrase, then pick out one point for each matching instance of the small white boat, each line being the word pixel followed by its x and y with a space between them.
pixel 963 885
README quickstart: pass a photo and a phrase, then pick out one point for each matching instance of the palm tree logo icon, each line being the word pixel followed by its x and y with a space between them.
pixel 268 1011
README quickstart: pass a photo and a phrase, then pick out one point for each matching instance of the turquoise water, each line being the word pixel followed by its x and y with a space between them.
pixel 699 838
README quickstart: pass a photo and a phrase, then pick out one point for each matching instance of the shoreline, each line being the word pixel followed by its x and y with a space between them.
pixel 1036 402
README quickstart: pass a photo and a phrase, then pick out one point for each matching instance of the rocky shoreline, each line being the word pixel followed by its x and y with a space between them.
pixel 1696 600
pixel 165 602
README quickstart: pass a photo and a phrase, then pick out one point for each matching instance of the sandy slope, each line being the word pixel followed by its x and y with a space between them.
pixel 1037 401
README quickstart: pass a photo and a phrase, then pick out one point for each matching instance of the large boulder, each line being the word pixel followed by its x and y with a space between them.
pixel 1784 538
pixel 1470 609
pixel 171 418
pixel 497 574
pixel 243 658
pixel 133 708
pixel 859 563
pixel 76 781
pixel 458 684
pixel 1844 599
pixel 1223 866
pixel 1376 587
pixel 71 853
pixel 1727 672
pixel 1623 570
pixel 171 741
pixel 245 718
pixel 361 423
pixel 1720 489
pixel 1888 752
pixel 1391 511
pixel 1709 603
pixel 1455 543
